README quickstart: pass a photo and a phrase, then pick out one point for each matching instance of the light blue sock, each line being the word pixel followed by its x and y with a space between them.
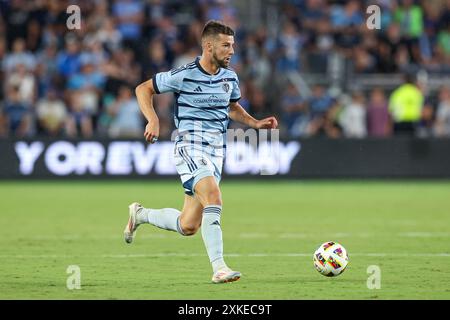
pixel 212 236
pixel 167 218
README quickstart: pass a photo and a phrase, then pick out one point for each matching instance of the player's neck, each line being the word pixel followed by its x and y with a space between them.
pixel 208 66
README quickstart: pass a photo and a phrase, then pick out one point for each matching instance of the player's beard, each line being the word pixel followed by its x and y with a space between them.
pixel 220 63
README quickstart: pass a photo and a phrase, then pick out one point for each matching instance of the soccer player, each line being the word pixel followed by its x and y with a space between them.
pixel 206 93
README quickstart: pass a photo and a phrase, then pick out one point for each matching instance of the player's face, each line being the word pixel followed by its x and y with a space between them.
pixel 223 50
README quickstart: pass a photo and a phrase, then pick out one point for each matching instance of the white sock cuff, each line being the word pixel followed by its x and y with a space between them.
pixel 213 209
pixel 180 231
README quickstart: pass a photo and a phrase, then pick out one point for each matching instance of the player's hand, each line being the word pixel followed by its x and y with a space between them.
pixel 267 123
pixel 151 133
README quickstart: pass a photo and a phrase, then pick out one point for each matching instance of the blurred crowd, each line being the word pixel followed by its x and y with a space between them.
pixel 80 83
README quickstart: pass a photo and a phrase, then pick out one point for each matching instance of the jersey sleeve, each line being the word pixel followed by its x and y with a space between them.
pixel 169 81
pixel 236 92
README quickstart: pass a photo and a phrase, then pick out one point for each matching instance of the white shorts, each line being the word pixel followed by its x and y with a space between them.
pixel 194 163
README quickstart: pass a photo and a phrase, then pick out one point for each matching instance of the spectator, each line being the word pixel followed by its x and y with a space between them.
pixel 95 52
pixel 314 10
pixel 389 43
pixel 410 18
pixel 156 59
pixel 16 17
pixel 156 10
pixel 34 36
pixel 17 114
pixel 55 16
pixel 378 120
pixel 3 124
pixel 294 111
pixel 127 121
pixel 364 62
pixel 98 15
pixel 345 16
pixel 68 61
pixel 405 106
pixel 443 43
pixel 218 9
pixel 26 83
pixel 89 84
pixel 79 122
pixel 353 117
pixel 431 26
pixel 129 15
pixel 320 45
pixel 47 69
pixel 290 45
pixel 425 127
pixel 109 36
pixel 346 21
pixel 442 126
pixel 258 64
pixel 51 114
pixel 121 69
pixel 258 102
pixel 320 105
pixel 170 36
pixel 193 36
pixel 18 56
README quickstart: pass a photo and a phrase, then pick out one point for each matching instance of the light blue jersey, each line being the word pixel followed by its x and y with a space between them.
pixel 202 101
pixel 201 116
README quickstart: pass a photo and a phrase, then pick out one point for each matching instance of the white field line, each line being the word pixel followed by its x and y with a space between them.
pixel 418 234
pixel 424 234
pixel 244 255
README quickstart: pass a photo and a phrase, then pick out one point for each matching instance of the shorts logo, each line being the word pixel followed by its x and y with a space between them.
pixel 203 162
pixel 226 87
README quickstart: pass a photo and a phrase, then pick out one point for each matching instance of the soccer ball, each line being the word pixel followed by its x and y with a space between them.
pixel 330 259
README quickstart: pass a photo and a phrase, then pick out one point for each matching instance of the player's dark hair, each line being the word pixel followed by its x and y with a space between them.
pixel 214 28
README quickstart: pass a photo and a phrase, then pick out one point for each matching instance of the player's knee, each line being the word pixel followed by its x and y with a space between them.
pixel 213 197
pixel 190 229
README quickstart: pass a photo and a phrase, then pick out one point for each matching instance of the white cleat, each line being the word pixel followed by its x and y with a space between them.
pixel 130 228
pixel 226 275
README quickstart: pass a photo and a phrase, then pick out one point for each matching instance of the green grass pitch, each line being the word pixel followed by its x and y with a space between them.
pixel 271 230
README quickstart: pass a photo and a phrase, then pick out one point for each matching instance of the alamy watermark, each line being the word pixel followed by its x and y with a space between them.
pixel 74 279
pixel 74 20
pixel 266 144
pixel 374 279
pixel 374 20
pixel 260 149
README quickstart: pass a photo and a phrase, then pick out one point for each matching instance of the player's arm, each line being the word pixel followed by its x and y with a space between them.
pixel 144 94
pixel 238 113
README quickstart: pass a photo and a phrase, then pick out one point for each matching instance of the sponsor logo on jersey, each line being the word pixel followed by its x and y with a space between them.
pixel 212 101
